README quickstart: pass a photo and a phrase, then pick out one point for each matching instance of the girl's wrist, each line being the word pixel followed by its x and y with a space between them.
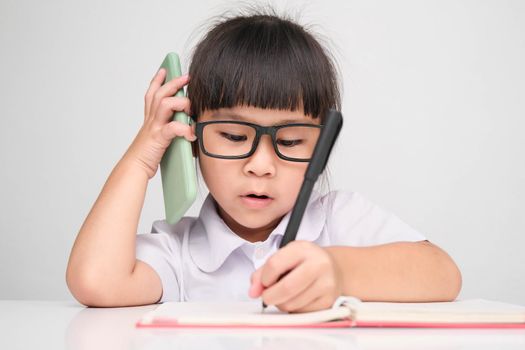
pixel 135 165
pixel 340 259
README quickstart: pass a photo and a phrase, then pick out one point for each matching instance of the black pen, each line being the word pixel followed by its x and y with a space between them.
pixel 322 150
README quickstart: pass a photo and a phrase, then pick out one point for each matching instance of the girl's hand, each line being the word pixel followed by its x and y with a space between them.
pixel 313 283
pixel 156 134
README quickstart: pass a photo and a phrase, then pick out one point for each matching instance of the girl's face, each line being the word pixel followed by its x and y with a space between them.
pixel 231 181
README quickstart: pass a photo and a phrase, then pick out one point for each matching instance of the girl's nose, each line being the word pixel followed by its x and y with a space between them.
pixel 262 161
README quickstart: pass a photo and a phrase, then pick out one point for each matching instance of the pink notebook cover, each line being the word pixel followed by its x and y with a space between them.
pixel 170 323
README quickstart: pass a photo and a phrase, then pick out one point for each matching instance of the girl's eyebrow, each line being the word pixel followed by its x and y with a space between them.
pixel 239 117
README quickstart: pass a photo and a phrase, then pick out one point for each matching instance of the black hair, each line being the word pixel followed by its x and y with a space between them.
pixel 262 60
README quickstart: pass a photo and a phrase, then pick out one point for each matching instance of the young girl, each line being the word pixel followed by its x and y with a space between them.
pixel 250 72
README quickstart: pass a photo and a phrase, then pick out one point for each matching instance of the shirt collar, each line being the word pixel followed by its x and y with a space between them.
pixel 211 241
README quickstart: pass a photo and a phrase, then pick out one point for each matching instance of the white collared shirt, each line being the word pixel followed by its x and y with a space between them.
pixel 201 259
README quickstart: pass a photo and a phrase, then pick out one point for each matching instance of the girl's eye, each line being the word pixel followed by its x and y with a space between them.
pixel 233 138
pixel 289 143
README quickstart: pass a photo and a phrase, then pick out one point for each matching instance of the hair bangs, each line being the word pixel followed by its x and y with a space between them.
pixel 261 61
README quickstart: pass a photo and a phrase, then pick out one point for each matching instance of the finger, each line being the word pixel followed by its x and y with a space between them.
pixel 256 287
pixel 167 90
pixel 293 284
pixel 305 299
pixel 175 128
pixel 320 303
pixel 281 262
pixel 155 83
pixel 169 105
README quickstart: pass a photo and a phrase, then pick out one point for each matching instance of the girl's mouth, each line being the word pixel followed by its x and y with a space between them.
pixel 252 195
pixel 255 201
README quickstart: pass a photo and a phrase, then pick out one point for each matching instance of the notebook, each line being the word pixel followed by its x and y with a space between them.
pixel 346 312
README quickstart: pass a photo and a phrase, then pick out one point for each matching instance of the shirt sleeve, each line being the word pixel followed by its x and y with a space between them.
pixel 356 221
pixel 159 251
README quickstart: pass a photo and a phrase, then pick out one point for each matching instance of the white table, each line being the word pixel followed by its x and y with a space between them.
pixel 67 325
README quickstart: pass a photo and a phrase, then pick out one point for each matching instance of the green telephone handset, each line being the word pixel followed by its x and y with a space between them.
pixel 177 168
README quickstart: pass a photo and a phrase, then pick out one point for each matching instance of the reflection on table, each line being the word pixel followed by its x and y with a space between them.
pixel 68 325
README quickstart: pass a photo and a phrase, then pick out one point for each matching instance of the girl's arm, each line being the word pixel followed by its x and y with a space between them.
pixel 303 276
pixel 402 272
pixel 102 268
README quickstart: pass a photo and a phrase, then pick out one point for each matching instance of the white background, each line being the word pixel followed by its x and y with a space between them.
pixel 433 107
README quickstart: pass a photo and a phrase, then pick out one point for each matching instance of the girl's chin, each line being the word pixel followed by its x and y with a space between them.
pixel 249 219
pixel 254 221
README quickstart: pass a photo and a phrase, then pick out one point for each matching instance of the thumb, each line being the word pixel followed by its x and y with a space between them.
pixel 256 286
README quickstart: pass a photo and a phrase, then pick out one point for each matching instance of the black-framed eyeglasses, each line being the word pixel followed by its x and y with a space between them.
pixel 227 139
